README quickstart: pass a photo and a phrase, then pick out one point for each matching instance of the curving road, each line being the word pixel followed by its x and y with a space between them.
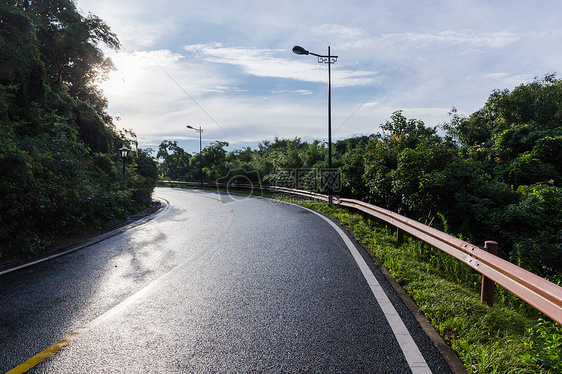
pixel 212 283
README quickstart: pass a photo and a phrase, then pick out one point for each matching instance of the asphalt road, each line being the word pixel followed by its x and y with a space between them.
pixel 213 284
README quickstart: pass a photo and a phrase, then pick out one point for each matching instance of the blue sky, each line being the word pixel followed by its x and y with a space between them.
pixel 227 65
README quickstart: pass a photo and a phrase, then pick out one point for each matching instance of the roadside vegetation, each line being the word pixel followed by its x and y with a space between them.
pixel 59 161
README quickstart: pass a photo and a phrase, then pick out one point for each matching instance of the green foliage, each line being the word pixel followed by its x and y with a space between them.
pixel 544 342
pixel 20 62
pixel 214 160
pixel 410 130
pixel 533 227
pixel 353 166
pixel 176 162
pixel 487 176
pixel 288 154
pixel 522 149
pixel 58 157
pixel 68 43
pixel 264 163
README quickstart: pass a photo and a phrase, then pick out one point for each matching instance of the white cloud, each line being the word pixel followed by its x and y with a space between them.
pixel 199 62
pixel 275 63
pixel 299 92
pixel 339 34
pixel 450 38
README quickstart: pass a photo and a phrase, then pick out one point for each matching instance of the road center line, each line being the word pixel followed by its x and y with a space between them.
pixel 415 360
pixel 22 368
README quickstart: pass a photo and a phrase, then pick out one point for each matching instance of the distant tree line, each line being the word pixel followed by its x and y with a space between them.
pixel 494 175
pixel 59 164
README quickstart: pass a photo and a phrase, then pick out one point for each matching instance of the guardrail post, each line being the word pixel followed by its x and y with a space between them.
pixel 399 232
pixel 488 286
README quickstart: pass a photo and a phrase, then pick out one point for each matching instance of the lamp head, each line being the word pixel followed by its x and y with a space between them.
pixel 124 151
pixel 300 50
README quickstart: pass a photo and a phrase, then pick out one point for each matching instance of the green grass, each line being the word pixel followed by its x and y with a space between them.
pixel 510 337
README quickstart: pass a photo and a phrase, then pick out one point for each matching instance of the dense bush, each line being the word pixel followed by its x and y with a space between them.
pixel 58 147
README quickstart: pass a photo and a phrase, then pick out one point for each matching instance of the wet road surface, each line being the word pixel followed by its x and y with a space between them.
pixel 213 284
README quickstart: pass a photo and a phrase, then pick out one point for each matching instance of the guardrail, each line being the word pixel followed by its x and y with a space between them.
pixel 534 290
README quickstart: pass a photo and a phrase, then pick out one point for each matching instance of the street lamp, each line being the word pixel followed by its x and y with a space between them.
pixel 199 130
pixel 124 152
pixel 329 59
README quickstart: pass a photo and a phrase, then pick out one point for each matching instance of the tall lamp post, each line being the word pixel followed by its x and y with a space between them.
pixel 124 152
pixel 199 130
pixel 322 59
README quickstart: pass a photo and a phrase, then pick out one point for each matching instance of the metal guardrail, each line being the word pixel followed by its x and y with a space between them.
pixel 534 290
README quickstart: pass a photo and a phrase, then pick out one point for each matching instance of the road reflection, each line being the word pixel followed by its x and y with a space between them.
pixel 46 302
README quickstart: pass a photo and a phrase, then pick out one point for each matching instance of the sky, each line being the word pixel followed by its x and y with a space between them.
pixel 228 66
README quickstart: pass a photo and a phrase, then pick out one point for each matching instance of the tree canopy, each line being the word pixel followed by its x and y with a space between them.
pixel 58 156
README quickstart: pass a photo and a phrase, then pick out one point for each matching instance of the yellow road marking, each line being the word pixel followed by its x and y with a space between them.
pixel 22 368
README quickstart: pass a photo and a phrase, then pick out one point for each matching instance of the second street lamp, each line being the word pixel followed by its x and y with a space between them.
pixel 322 59
pixel 199 130
pixel 124 152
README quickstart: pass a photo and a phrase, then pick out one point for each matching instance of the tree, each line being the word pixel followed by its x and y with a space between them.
pixel 517 139
pixel 143 176
pixel 68 43
pixel 58 145
pixel 382 157
pixel 21 70
pixel 176 162
pixel 214 160
pixel 409 131
pixel 518 133
pixel 532 228
pixel 314 155
pixel 381 161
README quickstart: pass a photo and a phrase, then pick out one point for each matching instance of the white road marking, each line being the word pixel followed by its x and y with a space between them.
pixel 413 355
